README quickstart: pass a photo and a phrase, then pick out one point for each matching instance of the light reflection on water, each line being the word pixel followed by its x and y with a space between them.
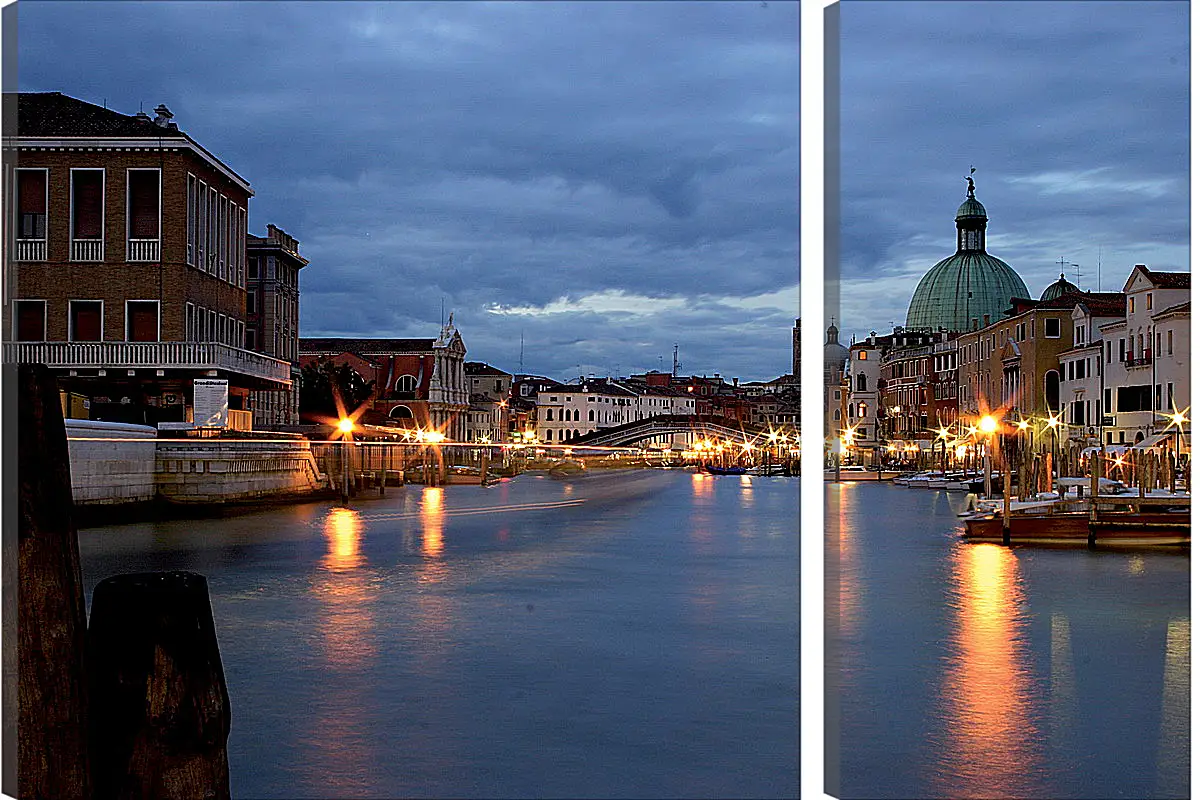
pixel 990 746
pixel 984 671
pixel 619 639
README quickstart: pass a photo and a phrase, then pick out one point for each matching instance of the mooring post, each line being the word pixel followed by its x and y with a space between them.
pixel 52 695
pixel 161 714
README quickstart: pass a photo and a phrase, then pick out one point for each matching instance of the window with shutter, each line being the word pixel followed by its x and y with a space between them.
pixel 86 320
pixel 31 320
pixel 143 204
pixel 31 204
pixel 141 320
pixel 87 199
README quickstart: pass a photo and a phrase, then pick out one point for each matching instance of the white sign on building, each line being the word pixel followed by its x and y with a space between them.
pixel 210 403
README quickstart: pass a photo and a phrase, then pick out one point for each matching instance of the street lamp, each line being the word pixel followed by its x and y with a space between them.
pixel 346 427
pixel 988 426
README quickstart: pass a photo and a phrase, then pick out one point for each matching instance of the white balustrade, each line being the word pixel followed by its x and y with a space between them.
pixel 143 249
pixel 31 249
pixel 87 249
pixel 149 355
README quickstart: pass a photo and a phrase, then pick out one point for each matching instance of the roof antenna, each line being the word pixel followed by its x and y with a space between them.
pixel 443 323
pixel 522 361
pixel 1098 268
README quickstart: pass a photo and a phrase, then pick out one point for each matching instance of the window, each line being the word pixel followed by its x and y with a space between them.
pixel 1149 300
pixel 1121 355
pixel 1170 342
pixel 30 321
pixel 1052 328
pixel 141 320
pixel 1108 401
pixel 1171 395
pixel 576 416
pixel 1133 398
pixel 86 320
pixel 252 268
pixel 87 205
pixel 862 355
pixel 549 414
pixel 212 326
pixel 1157 345
pixel 1158 396
pixel 191 219
pixel 189 322
pixel 251 302
pixel 202 226
pixel 31 203
pixel 1131 308
pixel 270 268
pixel 591 413
pixel 251 339
pixel 143 203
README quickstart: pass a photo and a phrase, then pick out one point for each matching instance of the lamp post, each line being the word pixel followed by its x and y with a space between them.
pixel 1052 423
pixel 346 427
pixel 988 426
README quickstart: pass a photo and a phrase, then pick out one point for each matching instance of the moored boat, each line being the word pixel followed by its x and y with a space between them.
pixel 713 469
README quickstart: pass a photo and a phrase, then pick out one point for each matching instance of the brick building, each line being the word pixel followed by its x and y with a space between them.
pixel 419 383
pixel 126 260
pixel 273 264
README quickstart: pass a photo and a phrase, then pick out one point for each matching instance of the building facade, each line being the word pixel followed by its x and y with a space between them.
pixel 127 261
pixel 273 264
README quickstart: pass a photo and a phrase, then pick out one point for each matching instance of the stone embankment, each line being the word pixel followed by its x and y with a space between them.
pixel 119 465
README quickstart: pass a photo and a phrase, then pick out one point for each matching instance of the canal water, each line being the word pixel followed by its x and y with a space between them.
pixel 620 635
pixel 978 671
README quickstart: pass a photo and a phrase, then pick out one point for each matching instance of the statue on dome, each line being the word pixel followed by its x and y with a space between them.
pixel 970 183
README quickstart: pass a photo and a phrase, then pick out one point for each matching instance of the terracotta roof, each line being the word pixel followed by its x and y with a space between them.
pixel 365 345
pixel 1104 304
pixel 1185 306
pixel 1170 280
pixel 481 368
pixel 54 114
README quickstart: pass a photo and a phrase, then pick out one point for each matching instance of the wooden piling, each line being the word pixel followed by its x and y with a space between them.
pixel 483 467
pixel 160 706
pixel 52 693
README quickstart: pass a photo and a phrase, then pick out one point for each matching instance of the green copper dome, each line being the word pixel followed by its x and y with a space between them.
pixel 1059 288
pixel 971 208
pixel 961 291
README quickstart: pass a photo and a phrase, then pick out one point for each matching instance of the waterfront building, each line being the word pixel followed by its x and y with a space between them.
pixel 273 264
pixel 569 411
pixel 1081 367
pixel 490 388
pixel 970 289
pixel 835 357
pixel 918 386
pixel 863 410
pixel 1013 364
pixel 128 261
pixel 1146 355
pixel 419 383
pixel 522 403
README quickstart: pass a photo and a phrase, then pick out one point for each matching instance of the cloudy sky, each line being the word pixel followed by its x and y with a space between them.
pixel 1075 116
pixel 605 179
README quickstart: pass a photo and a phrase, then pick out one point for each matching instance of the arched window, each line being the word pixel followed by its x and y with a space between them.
pixel 406 383
pixel 591 415
pixel 862 409
pixel 549 414
pixel 400 412
pixel 862 381
pixel 576 415
pixel 1051 386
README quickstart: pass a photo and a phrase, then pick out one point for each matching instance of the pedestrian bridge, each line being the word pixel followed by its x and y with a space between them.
pixel 696 426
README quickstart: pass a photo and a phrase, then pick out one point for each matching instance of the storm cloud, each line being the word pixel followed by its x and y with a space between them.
pixel 603 180
pixel 1074 114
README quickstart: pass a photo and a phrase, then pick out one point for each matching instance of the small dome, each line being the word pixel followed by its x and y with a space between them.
pixel 1059 288
pixel 971 208
pixel 836 354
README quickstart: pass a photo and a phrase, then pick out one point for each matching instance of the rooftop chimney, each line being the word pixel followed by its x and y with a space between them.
pixel 142 116
pixel 162 116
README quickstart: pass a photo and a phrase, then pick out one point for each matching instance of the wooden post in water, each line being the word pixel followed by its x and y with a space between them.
pixel 483 467
pixel 1007 500
pixel 161 710
pixel 52 696
pixel 1049 471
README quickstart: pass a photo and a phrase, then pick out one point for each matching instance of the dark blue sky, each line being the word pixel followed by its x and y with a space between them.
pixel 608 179
pixel 1074 114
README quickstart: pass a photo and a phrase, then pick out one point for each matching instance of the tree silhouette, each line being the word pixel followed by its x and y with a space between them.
pixel 324 383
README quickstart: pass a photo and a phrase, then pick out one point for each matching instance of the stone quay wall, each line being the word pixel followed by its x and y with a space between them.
pixel 115 464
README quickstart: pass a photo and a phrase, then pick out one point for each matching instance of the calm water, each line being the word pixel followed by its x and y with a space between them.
pixel 982 671
pixel 628 635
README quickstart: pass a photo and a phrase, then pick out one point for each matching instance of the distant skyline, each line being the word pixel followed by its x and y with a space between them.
pixel 1075 116
pixel 605 179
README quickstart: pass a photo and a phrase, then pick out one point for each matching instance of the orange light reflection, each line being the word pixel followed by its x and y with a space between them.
pixel 989 747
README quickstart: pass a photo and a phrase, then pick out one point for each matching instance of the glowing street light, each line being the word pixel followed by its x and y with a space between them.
pixel 346 425
pixel 987 424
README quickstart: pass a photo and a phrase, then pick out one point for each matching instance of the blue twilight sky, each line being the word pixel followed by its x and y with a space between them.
pixel 1075 116
pixel 607 179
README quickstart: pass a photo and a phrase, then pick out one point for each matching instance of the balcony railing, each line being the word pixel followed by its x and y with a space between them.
pixel 1143 361
pixel 87 249
pixel 149 355
pixel 31 249
pixel 143 249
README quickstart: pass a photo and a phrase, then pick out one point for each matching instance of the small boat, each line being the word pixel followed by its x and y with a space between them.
pixel 713 469
pixel 1111 528
pixel 862 474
